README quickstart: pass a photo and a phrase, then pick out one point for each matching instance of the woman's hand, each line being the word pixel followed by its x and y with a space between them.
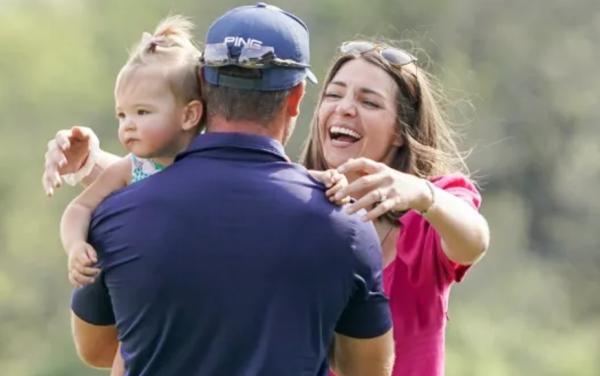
pixel 381 189
pixel 334 182
pixel 66 154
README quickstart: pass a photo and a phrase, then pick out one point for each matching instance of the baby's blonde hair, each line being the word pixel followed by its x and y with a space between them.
pixel 171 49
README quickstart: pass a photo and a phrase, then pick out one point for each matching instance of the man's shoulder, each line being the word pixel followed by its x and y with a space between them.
pixel 127 197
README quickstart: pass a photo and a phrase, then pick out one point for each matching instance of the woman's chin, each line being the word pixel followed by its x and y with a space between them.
pixel 336 155
pixel 336 159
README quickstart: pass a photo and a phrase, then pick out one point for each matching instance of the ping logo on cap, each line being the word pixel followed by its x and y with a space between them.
pixel 241 42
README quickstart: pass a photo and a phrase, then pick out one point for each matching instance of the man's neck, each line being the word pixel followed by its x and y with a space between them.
pixel 275 130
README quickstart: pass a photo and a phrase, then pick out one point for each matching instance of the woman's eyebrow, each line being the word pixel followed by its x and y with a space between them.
pixel 364 90
pixel 338 83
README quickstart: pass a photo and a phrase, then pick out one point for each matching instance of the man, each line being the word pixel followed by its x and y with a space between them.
pixel 232 261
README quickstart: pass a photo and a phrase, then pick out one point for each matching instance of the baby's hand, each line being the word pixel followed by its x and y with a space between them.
pixel 334 181
pixel 81 258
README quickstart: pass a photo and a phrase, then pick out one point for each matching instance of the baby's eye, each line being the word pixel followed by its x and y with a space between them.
pixel 142 112
pixel 120 115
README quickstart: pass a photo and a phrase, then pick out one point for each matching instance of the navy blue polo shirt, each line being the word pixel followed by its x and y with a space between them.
pixel 232 262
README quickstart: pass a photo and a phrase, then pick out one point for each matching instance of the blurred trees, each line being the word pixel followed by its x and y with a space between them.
pixel 523 86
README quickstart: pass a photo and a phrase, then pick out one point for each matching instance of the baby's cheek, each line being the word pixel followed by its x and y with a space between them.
pixel 156 133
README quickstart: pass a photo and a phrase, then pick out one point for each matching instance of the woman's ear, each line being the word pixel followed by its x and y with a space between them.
pixel 398 140
pixel 192 114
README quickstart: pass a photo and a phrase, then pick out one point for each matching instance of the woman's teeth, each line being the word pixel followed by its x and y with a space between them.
pixel 337 132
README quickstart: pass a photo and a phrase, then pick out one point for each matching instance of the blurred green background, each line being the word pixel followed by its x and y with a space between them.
pixel 524 84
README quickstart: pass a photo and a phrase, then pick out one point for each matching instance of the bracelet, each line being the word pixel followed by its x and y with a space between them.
pixel 75 177
pixel 432 191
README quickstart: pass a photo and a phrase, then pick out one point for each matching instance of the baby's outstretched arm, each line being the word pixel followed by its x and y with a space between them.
pixel 76 221
pixel 68 152
pixel 334 181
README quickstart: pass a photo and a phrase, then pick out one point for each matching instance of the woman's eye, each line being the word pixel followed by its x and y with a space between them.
pixel 371 104
pixel 332 95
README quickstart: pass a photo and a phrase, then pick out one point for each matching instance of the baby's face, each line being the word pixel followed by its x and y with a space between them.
pixel 149 115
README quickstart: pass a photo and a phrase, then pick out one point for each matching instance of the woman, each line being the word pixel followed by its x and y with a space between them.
pixel 379 123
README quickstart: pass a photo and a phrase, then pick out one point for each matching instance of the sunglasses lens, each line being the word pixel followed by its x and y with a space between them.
pixel 255 57
pixel 392 55
pixel 216 54
pixel 356 47
pixel 397 57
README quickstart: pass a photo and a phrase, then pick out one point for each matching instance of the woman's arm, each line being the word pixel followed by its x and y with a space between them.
pixel 333 181
pixel 464 232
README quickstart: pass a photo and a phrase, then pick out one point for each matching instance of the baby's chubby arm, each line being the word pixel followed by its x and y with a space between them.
pixel 76 221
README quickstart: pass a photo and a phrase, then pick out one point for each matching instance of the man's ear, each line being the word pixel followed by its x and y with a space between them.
pixel 295 98
pixel 192 114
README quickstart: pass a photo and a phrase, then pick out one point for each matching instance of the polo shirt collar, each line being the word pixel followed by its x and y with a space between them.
pixel 220 140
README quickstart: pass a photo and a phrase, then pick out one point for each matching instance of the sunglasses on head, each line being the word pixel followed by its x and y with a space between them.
pixel 392 55
pixel 255 57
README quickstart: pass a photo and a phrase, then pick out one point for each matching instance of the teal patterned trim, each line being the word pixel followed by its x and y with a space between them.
pixel 141 168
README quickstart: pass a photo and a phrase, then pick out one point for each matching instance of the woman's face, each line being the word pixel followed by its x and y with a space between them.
pixel 357 115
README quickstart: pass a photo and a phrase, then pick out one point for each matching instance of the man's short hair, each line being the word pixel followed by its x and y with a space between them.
pixel 238 104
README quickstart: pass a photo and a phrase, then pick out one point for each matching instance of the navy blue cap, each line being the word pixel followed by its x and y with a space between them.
pixel 267 27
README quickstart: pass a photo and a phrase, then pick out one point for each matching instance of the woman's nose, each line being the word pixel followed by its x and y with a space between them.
pixel 347 107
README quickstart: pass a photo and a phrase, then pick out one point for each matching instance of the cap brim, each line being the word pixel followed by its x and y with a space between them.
pixel 311 76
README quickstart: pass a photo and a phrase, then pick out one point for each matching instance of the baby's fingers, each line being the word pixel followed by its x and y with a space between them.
pixel 90 252
pixel 89 271
pixel 78 280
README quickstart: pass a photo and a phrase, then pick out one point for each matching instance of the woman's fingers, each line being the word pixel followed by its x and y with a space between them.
pixel 361 165
pixel 333 190
pixel 366 201
pixel 380 209
pixel 364 184
pixel 337 182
